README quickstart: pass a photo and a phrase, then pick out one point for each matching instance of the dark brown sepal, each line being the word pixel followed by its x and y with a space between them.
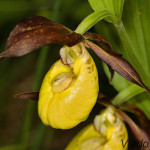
pixel 98 40
pixel 29 96
pixel 103 100
pixel 36 32
pixel 111 74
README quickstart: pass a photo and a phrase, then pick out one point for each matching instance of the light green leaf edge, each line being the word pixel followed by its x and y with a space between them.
pixel 92 19
pixel 114 6
pixel 127 94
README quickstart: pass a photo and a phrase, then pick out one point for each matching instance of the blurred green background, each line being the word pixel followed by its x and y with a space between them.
pixel 20 126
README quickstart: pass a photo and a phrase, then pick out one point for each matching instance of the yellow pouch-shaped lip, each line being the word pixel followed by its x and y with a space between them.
pixel 66 106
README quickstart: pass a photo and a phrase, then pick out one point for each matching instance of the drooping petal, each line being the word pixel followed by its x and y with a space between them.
pixel 136 130
pixel 99 40
pixel 117 63
pixel 35 32
pixel 141 117
pixel 102 43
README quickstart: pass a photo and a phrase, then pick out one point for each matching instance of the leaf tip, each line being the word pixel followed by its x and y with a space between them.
pixel 2 56
pixel 17 96
pixel 147 89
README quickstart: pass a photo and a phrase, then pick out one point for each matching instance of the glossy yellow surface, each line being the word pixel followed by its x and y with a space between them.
pixel 68 93
pixel 109 137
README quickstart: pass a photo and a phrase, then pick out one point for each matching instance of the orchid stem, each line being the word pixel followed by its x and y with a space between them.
pixel 31 105
pixel 130 52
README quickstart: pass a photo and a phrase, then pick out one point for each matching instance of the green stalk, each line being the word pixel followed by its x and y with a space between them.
pixel 129 52
pixel 38 137
pixel 91 20
pixel 41 129
pixel 127 94
pixel 31 105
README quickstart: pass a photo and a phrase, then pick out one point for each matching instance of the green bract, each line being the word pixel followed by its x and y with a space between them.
pixel 114 7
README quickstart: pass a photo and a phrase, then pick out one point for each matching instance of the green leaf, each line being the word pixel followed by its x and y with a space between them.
pixel 91 20
pixel 127 94
pixel 134 32
pixel 114 6
pixel 123 83
pixel 136 22
pixel 143 102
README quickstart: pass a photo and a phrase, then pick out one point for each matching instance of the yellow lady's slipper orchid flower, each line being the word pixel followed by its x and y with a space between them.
pixel 107 133
pixel 70 89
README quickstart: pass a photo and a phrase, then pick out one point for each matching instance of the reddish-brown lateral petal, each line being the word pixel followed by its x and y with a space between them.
pixel 99 40
pixel 35 32
pixel 102 42
pixel 103 100
pixel 118 64
pixel 142 118
pixel 31 96
pixel 138 132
